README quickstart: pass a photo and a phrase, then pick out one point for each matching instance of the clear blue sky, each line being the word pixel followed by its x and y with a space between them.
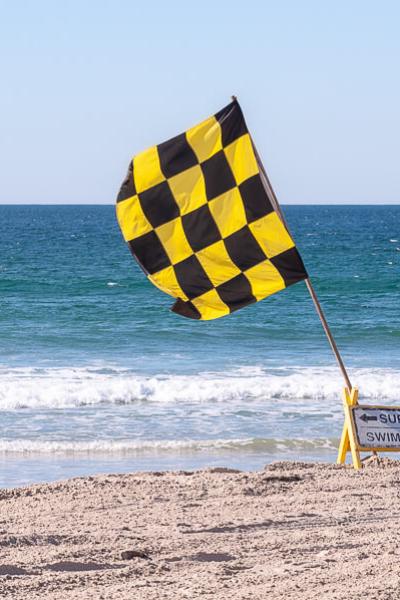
pixel 87 84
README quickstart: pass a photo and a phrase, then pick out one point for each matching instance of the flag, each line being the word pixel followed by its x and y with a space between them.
pixel 200 222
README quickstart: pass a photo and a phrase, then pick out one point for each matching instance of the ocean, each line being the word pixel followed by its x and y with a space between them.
pixel 98 375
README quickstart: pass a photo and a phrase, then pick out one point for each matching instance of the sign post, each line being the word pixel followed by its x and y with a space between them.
pixel 367 428
pixel 348 440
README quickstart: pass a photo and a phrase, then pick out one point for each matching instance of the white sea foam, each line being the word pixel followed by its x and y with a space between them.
pixel 67 387
pixel 128 447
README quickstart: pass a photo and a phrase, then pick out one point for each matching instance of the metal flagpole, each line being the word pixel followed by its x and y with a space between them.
pixel 318 308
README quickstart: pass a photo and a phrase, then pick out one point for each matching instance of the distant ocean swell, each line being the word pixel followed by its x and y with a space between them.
pixel 68 388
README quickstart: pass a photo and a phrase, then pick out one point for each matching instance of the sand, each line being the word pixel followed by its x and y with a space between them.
pixel 291 531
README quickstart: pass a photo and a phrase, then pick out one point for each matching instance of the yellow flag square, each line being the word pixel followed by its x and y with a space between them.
pixel 189 189
pixel 241 159
pixel 217 264
pixel 174 240
pixel 131 219
pixel 166 281
pixel 210 305
pixel 205 138
pixel 228 212
pixel 147 170
pixel 271 234
pixel 264 279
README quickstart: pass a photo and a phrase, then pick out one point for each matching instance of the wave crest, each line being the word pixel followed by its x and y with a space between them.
pixel 63 387
pixel 134 448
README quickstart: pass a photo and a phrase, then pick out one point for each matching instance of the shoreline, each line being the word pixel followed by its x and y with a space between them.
pixel 19 470
pixel 292 530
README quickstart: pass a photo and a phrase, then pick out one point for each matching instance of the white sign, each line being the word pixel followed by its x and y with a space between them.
pixel 377 427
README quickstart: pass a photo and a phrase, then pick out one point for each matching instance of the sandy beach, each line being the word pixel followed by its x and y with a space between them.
pixel 293 531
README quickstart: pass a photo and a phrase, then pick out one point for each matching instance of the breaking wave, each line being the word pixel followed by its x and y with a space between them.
pixel 134 448
pixel 69 387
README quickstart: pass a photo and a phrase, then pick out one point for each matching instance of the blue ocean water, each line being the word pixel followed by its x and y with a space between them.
pixel 96 374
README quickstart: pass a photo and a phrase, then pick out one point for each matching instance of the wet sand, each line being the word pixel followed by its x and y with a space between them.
pixel 291 531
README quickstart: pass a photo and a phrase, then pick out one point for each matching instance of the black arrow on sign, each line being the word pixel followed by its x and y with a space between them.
pixel 367 418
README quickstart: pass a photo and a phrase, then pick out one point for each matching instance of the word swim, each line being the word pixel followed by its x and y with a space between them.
pixel 383 437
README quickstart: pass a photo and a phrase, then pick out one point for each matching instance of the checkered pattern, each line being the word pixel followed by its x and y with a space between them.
pixel 199 221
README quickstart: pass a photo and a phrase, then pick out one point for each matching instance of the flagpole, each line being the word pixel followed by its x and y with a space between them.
pixel 317 305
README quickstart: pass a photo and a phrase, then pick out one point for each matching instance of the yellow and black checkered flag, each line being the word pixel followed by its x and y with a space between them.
pixel 201 224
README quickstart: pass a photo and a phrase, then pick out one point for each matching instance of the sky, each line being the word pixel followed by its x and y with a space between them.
pixel 85 85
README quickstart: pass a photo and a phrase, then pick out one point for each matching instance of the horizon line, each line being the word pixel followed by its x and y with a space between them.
pixel 281 203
